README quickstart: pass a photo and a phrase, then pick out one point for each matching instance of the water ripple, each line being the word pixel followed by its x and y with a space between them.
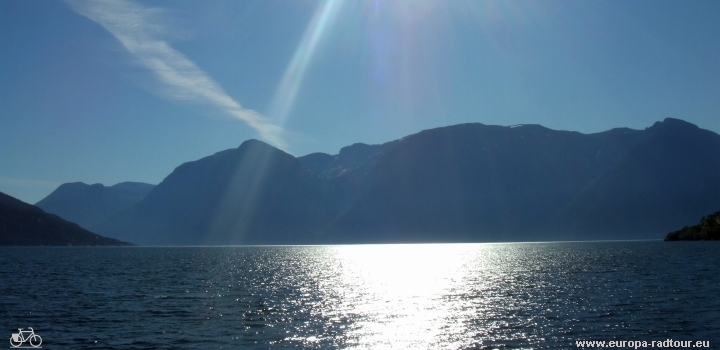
pixel 454 296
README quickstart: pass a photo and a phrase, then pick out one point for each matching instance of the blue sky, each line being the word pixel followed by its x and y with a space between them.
pixel 126 91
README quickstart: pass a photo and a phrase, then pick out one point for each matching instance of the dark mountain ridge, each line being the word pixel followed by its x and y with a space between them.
pixel 22 224
pixel 452 183
pixel 349 158
pixel 668 180
pixel 462 183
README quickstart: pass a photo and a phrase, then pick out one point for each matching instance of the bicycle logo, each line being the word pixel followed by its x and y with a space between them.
pixel 22 336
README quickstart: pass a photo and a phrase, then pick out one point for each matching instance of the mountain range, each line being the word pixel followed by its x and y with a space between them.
pixel 91 205
pixel 462 183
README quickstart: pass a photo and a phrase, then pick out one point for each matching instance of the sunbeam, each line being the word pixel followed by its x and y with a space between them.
pixel 286 92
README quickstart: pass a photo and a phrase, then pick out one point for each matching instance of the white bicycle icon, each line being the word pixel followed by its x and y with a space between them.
pixel 25 336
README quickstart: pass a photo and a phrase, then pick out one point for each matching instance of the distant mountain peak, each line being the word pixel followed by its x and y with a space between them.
pixel 674 124
pixel 258 148
pixel 73 184
pixel 676 121
pixel 89 205
pixel 256 143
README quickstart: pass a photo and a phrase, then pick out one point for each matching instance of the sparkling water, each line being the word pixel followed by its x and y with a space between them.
pixel 434 296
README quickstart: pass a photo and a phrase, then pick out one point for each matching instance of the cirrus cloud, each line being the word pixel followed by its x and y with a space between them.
pixel 139 30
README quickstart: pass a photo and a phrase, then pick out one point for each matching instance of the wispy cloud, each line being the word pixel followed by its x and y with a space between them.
pixel 139 29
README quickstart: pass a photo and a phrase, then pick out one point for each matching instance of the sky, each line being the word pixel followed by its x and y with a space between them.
pixel 113 91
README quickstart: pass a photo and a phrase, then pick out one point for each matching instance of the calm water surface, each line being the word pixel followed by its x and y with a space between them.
pixel 446 296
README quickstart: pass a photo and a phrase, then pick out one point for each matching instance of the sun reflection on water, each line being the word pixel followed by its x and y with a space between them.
pixel 407 296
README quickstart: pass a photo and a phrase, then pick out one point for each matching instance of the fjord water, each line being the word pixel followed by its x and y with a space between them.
pixel 447 296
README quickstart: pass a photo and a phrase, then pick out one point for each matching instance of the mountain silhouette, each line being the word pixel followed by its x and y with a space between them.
pixel 667 181
pixel 349 158
pixel 475 182
pixel 461 183
pixel 25 224
pixel 251 194
pixel 91 205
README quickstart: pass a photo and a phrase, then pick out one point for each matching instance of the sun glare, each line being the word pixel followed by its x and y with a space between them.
pixel 404 286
